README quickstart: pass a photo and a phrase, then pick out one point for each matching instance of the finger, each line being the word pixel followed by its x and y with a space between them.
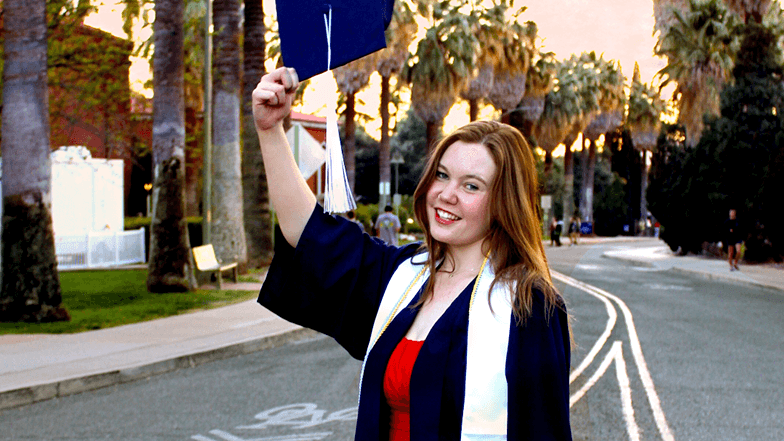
pixel 290 80
pixel 266 97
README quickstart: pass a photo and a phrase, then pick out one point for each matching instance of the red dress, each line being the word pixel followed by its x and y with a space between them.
pixel 397 380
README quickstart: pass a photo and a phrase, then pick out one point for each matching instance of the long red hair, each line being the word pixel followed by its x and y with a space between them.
pixel 515 238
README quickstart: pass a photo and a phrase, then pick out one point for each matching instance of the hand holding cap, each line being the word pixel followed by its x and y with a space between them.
pixel 272 97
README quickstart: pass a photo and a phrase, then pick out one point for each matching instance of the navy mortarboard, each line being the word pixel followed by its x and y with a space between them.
pixel 319 35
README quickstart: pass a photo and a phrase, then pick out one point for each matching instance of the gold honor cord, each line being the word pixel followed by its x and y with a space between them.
pixel 411 285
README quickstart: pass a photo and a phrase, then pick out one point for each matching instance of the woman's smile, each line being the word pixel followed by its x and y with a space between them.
pixel 458 200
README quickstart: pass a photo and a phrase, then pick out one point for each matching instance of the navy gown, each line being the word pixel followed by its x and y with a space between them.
pixel 333 283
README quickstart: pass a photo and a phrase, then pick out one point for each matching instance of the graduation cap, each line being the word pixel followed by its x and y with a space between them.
pixel 319 35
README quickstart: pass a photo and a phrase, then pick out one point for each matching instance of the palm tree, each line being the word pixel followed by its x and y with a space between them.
pixel 352 78
pixel 441 66
pixel 509 73
pixel 608 84
pixel 227 232
pixel 30 284
pixel 643 121
pixel 539 81
pixel 699 43
pixel 171 263
pixel 488 25
pixel 749 10
pixel 390 61
pixel 255 194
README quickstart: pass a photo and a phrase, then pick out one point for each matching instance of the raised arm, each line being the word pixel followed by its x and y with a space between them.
pixel 289 193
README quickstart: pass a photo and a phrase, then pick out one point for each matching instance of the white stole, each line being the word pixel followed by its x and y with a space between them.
pixel 485 406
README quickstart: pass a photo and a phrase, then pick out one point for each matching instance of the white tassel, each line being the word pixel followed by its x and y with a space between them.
pixel 338 197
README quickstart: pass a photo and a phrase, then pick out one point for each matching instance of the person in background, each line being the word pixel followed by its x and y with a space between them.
pixel 353 218
pixel 559 227
pixel 574 230
pixel 464 335
pixel 388 225
pixel 734 239
pixel 553 224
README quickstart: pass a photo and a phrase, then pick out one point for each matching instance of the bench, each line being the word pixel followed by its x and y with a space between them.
pixel 205 260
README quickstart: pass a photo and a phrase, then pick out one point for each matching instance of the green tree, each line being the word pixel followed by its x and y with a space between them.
pixel 389 62
pixel 30 284
pixel 643 120
pixel 509 72
pixel 441 65
pixel 700 43
pixel 228 230
pixel 171 265
pixel 351 78
pixel 607 83
pixel 736 164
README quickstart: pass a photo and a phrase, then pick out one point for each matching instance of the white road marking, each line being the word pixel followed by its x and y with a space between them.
pixel 611 318
pixel 315 436
pixel 660 287
pixel 639 359
pixel 615 354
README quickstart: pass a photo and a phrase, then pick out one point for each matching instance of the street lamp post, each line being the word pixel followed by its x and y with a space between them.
pixel 397 159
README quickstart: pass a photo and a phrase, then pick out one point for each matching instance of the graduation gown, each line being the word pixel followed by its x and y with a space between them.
pixel 333 283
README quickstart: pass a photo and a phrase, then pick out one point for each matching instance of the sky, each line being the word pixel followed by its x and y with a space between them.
pixel 619 29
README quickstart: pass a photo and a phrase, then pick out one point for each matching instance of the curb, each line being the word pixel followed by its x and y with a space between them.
pixel 33 394
pixel 727 279
pixel 703 274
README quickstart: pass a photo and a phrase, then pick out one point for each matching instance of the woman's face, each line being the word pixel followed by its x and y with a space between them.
pixel 458 200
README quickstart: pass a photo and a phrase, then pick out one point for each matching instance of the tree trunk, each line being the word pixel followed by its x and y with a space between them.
pixel 568 197
pixel 431 129
pixel 255 194
pixel 548 170
pixel 193 164
pixel 171 265
pixel 473 109
pixel 350 141
pixel 589 166
pixel 644 186
pixel 383 146
pixel 30 283
pixel 228 229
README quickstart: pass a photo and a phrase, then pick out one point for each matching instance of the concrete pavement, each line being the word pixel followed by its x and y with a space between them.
pixel 655 253
pixel 38 367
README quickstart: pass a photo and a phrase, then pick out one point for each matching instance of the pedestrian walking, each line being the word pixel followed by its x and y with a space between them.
pixel 388 225
pixel 555 232
pixel 574 230
pixel 463 336
pixel 733 239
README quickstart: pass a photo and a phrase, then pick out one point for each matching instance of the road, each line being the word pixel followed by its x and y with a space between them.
pixel 658 356
pixel 686 358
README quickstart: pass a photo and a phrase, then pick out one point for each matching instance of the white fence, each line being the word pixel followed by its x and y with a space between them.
pixel 100 249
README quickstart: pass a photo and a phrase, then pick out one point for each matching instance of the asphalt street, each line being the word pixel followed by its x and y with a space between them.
pixel 305 390
pixel 659 355
pixel 709 360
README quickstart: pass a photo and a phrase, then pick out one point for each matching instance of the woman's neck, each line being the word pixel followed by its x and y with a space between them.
pixel 464 260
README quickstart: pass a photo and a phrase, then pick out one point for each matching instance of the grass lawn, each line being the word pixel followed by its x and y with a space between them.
pixel 102 299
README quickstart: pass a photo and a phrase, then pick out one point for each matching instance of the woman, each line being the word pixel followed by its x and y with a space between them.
pixel 463 337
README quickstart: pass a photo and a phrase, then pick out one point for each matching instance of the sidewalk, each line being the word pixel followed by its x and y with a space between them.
pixel 40 367
pixel 655 253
